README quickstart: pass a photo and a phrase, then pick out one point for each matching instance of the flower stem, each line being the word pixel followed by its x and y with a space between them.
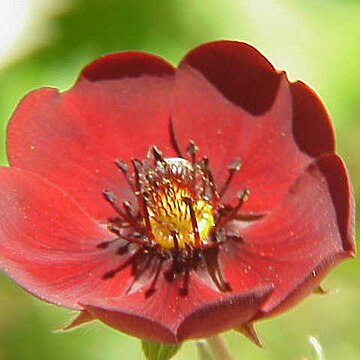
pixel 218 348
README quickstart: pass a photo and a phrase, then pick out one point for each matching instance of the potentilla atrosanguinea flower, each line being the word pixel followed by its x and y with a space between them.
pixel 174 203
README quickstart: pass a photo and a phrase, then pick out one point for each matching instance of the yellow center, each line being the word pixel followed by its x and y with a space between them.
pixel 169 213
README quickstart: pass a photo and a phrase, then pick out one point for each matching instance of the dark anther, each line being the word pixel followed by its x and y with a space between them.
pixel 137 167
pixel 169 275
pixel 158 156
pixel 174 235
pixel 127 207
pixel 139 266
pixel 242 197
pixel 135 240
pixel 114 229
pixel 105 244
pixel 122 165
pixel 110 197
pixel 141 199
pixel 137 170
pixel 194 224
pixel 248 217
pixel 122 250
pixel 152 288
pixel 210 180
pixel 110 274
pixel 130 217
pixel 147 221
pixel 233 167
pixel 204 164
pixel 150 292
pixel 211 257
pixel 192 149
pixel 125 170
pixel 131 239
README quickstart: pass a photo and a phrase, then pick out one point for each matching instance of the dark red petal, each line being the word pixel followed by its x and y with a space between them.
pixel 169 317
pixel 232 103
pixel 117 109
pixel 307 234
pixel 312 127
pixel 48 244
pixel 127 64
pixel 238 71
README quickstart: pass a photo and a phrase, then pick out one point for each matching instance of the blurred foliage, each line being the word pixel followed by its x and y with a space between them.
pixel 316 41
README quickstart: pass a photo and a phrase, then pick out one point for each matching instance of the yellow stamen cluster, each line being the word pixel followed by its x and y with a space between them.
pixel 170 215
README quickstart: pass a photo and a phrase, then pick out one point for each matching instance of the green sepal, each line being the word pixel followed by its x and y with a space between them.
pixel 159 351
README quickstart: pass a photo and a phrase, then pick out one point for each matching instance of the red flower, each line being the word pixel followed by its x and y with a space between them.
pixel 161 243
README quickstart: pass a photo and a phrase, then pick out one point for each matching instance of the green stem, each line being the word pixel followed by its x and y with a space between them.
pixel 218 348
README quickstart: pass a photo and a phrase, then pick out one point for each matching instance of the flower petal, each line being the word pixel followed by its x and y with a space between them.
pixel 118 108
pixel 231 102
pixel 306 235
pixel 166 316
pixel 124 65
pixel 48 244
pixel 312 128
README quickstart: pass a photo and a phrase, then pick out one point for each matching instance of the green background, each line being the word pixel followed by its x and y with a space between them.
pixel 315 41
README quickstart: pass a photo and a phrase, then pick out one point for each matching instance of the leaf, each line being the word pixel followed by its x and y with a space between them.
pixel 159 351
